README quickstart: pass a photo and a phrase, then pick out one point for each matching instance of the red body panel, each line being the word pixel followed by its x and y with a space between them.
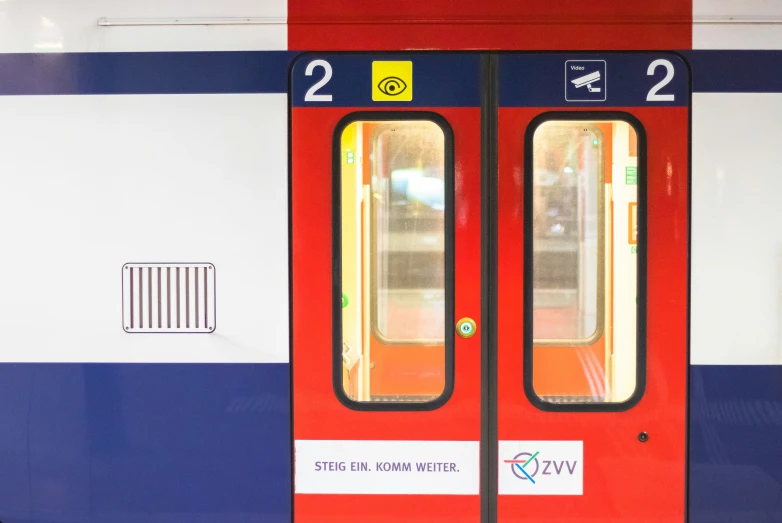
pixel 624 480
pixel 507 25
pixel 317 412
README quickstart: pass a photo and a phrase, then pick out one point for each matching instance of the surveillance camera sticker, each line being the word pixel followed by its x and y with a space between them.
pixel 585 81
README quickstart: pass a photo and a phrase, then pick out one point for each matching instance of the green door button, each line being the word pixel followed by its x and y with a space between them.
pixel 466 328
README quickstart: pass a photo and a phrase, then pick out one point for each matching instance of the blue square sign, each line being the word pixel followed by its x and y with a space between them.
pixel 585 81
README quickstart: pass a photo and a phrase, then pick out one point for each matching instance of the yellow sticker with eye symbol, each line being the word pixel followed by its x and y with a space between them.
pixel 392 81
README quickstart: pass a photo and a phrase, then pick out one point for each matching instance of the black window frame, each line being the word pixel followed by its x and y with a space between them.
pixel 336 252
pixel 528 345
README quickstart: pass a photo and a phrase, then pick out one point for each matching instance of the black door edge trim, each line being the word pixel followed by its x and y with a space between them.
pixel 489 178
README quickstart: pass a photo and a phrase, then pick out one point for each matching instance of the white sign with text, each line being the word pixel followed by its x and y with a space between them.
pixel 387 467
pixel 535 468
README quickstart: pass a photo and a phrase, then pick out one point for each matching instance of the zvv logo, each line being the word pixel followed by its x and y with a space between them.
pixel 519 463
pixel 541 468
pixel 526 466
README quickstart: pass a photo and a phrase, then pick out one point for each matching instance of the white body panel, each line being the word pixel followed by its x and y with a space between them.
pixel 755 24
pixel 89 183
pixel 737 36
pixel 736 315
pixel 735 7
pixel 736 274
pixel 28 26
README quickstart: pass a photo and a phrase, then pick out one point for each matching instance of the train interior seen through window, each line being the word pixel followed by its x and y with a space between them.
pixel 584 247
pixel 585 258
pixel 393 260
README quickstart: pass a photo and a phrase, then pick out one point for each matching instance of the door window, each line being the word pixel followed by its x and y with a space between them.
pixel 393 220
pixel 584 196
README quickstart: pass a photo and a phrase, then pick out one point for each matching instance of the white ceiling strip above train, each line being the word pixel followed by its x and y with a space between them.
pixel 737 20
pixel 245 20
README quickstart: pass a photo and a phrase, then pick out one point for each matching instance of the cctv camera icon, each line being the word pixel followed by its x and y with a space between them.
pixel 588 80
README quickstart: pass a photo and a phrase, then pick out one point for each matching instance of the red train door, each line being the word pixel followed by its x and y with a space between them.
pixel 386 246
pixel 591 287
pixel 489 301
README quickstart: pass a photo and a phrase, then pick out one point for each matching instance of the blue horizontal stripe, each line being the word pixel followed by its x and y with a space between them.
pixel 212 442
pixel 145 442
pixel 453 81
pixel 735 443
pixel 145 73
pixel 750 71
pixel 439 80
pixel 546 80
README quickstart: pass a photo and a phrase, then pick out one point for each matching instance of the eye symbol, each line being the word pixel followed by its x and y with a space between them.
pixel 392 86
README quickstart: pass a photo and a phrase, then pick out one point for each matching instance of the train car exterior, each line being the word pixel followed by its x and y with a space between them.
pixel 360 261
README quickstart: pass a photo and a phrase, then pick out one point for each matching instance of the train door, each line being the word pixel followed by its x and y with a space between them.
pixel 386 246
pixel 489 287
pixel 591 287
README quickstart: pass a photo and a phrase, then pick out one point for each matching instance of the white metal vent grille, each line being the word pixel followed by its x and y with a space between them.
pixel 168 297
